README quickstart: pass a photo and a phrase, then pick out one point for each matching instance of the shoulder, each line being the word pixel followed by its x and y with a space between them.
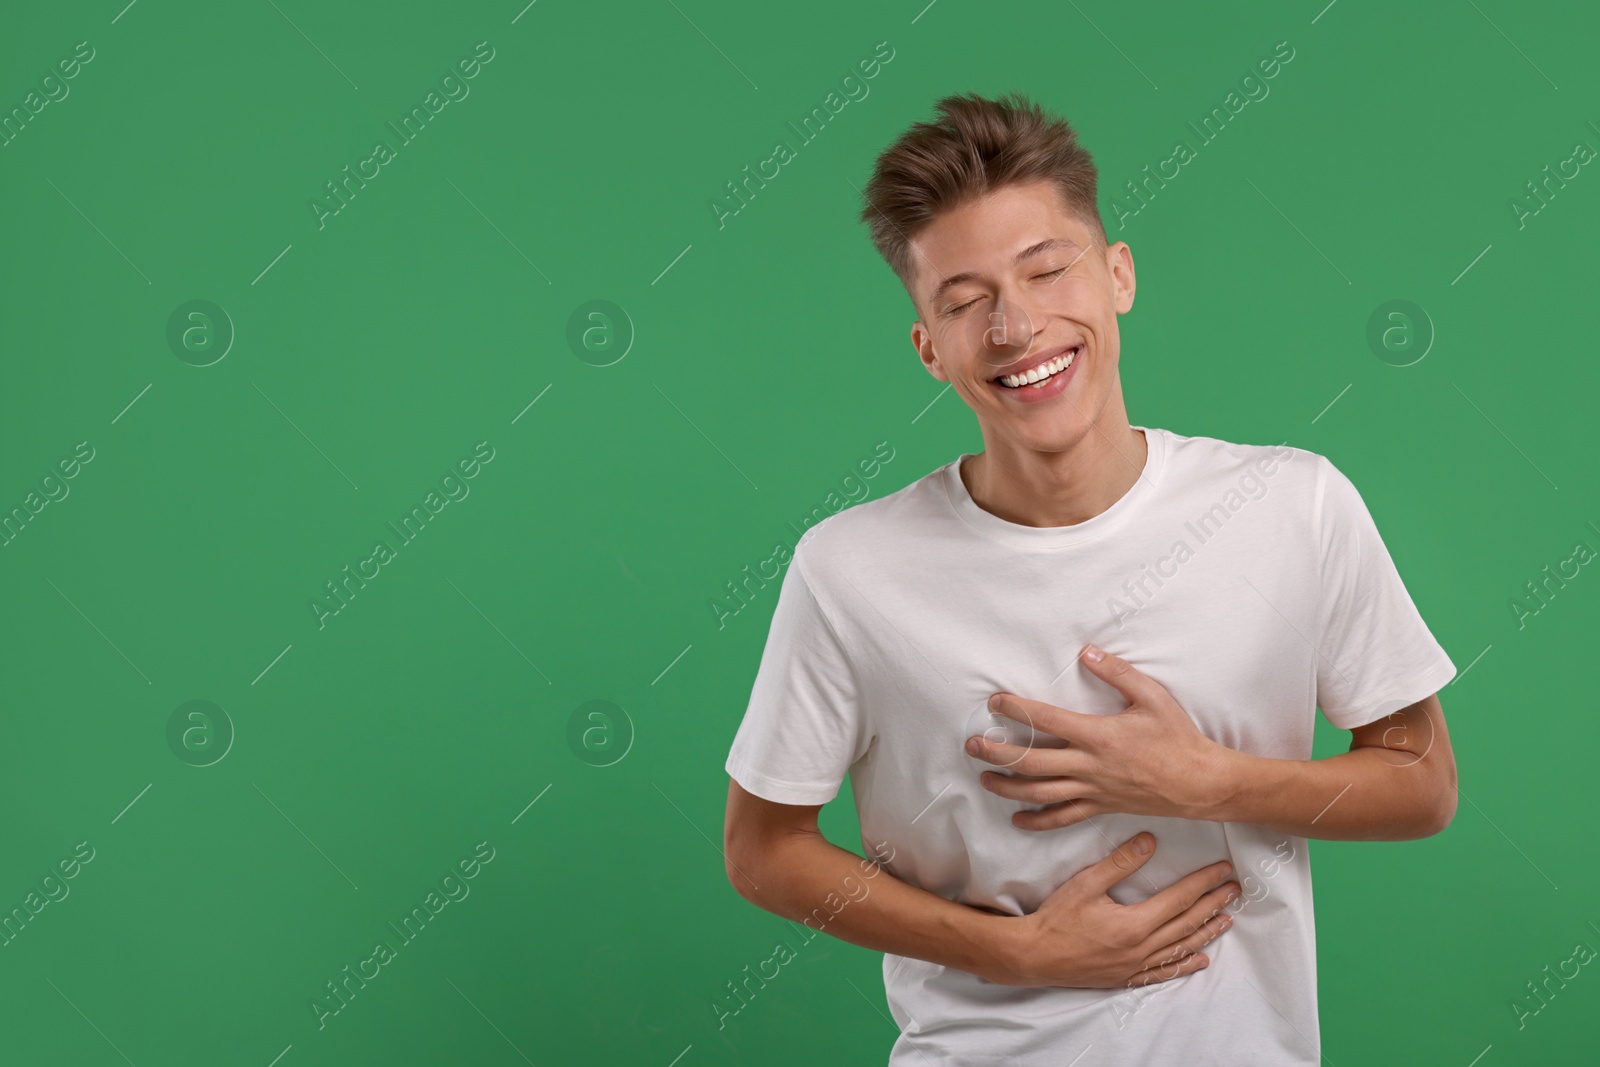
pixel 1191 454
pixel 1325 502
pixel 1216 471
pixel 854 538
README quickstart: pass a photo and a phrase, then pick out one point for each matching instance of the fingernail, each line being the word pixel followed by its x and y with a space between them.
pixel 1143 844
pixel 994 702
pixel 972 747
pixel 1092 653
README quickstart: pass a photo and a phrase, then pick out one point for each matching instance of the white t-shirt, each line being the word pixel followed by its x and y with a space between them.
pixel 1248 580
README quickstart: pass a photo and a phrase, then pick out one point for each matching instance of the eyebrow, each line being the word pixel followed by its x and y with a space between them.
pixel 966 276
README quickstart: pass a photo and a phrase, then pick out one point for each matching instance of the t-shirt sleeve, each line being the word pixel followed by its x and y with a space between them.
pixel 1374 653
pixel 803 727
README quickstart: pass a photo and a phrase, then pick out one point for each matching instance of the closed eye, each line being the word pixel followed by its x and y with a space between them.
pixel 1050 275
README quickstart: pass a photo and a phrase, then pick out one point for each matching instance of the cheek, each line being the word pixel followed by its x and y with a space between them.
pixel 959 345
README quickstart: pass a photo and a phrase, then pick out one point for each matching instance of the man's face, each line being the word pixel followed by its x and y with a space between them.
pixel 1004 313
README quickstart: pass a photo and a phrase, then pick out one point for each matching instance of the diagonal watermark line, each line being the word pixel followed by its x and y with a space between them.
pixel 932 802
pixel 674 263
pixel 1502 433
pixel 1068 667
pixel 675 659
pixel 101 632
pixel 1296 629
pixel 524 11
pixel 1510 842
pixel 1137 468
pixel 302 433
pixel 914 646
pixel 1114 44
pixel 1332 402
pixel 713 44
pixel 501 632
pixel 532 402
pixel 1474 262
pixel 269 266
pixel 132 402
pixel 1513 44
pixel 313 44
pixel 501 232
pixel 1469 666
pixel 88 1020
pixel 302 833
pixel 708 840
pixel 131 803
pixel 702 433
pixel 930 403
pixel 124 11
pixel 531 803
pixel 1324 11
pixel 1301 232
pixel 924 11
pixel 1331 803
pixel 280 1055
pixel 269 666
pixel 490 1021
pixel 101 232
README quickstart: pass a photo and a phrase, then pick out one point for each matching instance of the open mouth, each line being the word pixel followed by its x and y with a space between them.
pixel 1038 376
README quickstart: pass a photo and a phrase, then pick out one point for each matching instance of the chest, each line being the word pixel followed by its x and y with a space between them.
pixel 1226 628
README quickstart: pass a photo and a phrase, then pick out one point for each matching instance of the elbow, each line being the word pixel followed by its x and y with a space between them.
pixel 1442 811
pixel 742 862
pixel 739 872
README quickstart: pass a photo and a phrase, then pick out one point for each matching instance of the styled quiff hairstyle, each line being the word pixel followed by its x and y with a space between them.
pixel 974 146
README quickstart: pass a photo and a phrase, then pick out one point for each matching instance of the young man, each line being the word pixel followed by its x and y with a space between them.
pixel 1234 589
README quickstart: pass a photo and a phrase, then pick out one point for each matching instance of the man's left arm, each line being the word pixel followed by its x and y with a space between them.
pixel 1397 782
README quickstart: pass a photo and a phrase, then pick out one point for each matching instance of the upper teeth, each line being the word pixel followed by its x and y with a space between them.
pixel 1041 372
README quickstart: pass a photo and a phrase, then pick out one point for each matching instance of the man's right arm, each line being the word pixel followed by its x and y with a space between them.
pixel 779 860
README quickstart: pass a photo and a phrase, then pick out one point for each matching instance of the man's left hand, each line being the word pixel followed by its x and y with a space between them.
pixel 1149 759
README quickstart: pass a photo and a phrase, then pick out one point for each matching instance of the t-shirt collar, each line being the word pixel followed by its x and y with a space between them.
pixel 1049 537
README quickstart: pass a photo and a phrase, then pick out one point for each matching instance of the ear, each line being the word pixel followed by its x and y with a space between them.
pixel 922 341
pixel 1119 262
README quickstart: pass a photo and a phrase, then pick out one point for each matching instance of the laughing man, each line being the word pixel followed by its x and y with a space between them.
pixel 1073 678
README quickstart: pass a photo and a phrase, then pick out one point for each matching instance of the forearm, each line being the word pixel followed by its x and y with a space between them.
pixel 1366 794
pixel 805 878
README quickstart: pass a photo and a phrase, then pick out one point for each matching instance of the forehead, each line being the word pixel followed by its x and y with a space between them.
pixel 986 234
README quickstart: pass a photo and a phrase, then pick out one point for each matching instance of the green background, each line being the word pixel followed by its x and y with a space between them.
pixel 768 356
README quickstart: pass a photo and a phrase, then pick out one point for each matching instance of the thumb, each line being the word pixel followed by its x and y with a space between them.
pixel 1123 861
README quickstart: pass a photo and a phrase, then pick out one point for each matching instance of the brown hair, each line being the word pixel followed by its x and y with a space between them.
pixel 975 145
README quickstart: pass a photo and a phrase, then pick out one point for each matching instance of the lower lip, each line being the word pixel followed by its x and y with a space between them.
pixel 1057 384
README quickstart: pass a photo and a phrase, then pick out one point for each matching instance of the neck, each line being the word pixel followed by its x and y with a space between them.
pixel 1032 488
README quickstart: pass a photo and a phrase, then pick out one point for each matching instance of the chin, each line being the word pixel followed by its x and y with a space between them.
pixel 1056 436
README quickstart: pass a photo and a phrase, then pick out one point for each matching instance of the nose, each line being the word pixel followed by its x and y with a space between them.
pixel 1009 333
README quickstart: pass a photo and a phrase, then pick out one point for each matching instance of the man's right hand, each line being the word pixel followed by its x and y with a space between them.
pixel 1081 938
